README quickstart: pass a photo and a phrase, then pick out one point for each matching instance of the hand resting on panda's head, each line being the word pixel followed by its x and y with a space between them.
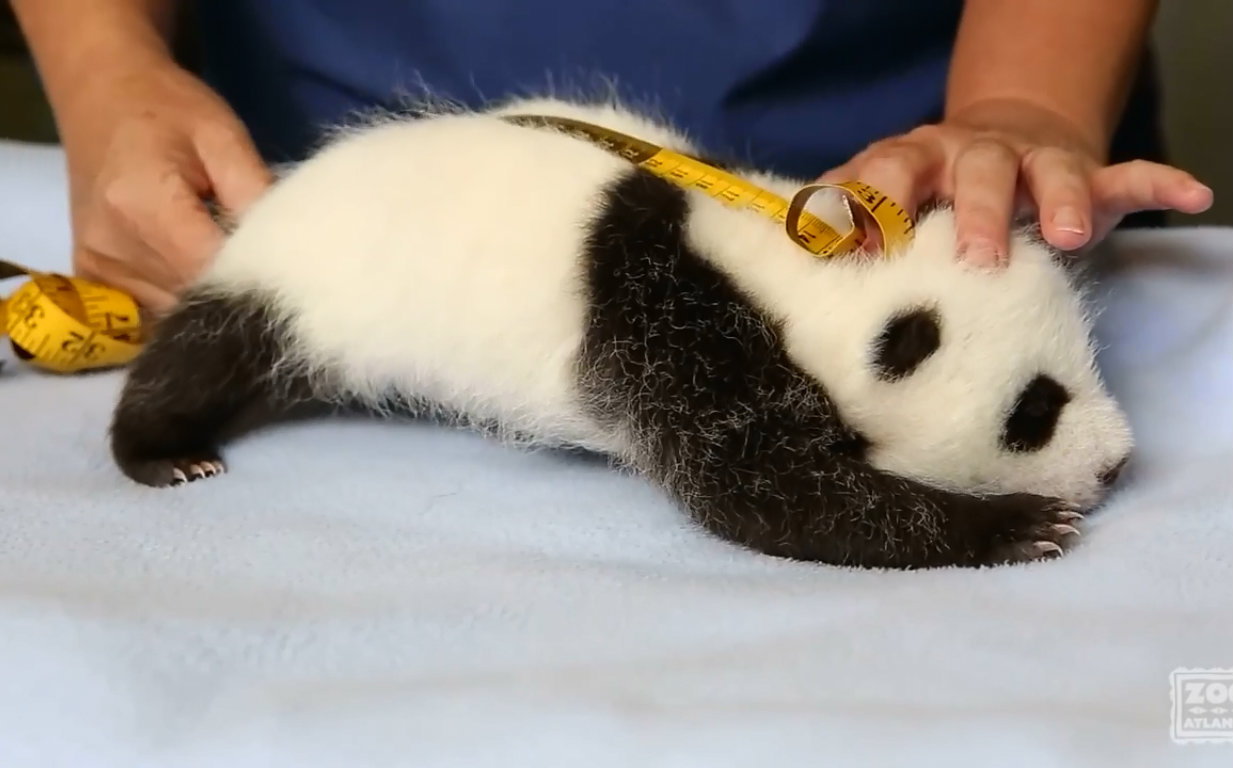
pixel 1036 92
pixel 999 162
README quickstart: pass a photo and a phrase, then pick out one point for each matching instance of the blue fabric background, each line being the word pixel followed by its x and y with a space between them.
pixel 796 86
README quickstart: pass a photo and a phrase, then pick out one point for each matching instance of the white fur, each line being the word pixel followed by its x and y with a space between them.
pixel 442 256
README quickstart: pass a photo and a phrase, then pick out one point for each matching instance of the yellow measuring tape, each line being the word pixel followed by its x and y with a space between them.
pixel 814 235
pixel 66 324
pixel 62 324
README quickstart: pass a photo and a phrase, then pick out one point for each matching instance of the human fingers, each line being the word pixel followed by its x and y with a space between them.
pixel 984 180
pixel 160 208
pixel 1059 185
pixel 1143 185
pixel 843 173
pixel 904 169
pixel 1135 186
pixel 98 267
pixel 103 238
pixel 235 170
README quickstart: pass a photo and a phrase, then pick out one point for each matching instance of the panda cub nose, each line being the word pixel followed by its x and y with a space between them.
pixel 1110 475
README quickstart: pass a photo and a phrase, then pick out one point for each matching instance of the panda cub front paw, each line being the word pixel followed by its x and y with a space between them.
pixel 1027 528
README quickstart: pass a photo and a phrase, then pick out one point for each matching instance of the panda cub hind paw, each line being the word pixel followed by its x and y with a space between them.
pixel 173 472
pixel 1032 529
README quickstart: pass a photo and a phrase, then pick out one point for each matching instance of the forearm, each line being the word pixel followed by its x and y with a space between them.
pixel 72 41
pixel 1075 58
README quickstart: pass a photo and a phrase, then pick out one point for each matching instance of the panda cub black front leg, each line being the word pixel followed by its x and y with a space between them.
pixel 779 482
pixel 898 525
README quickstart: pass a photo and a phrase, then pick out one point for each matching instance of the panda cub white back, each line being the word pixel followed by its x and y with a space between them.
pixel 440 255
pixel 522 278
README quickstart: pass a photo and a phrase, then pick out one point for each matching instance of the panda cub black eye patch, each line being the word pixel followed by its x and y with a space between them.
pixel 1035 415
pixel 907 340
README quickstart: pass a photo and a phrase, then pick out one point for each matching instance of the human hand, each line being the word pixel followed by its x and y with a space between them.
pixel 998 160
pixel 144 144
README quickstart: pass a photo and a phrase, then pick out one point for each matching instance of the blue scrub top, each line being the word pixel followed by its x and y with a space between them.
pixel 796 86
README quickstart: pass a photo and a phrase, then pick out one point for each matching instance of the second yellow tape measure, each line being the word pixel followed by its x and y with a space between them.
pixel 814 235
pixel 66 324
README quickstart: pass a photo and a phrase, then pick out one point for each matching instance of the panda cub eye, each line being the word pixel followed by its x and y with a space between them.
pixel 907 340
pixel 1034 417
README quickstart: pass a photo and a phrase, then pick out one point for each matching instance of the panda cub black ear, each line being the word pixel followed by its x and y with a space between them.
pixel 907 340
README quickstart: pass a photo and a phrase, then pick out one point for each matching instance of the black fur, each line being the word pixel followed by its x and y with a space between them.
pixel 1034 417
pixel 678 359
pixel 207 374
pixel 907 340
pixel 674 357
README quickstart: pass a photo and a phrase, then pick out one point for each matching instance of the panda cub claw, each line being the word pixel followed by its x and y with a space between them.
pixel 1047 549
pixel 1064 530
pixel 1036 529
pixel 173 472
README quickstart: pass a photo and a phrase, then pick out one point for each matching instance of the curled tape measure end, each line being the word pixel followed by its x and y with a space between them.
pixel 877 223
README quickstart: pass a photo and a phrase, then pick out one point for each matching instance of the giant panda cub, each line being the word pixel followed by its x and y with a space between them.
pixel 901 410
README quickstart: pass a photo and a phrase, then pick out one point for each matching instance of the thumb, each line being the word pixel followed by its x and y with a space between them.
pixel 1135 186
pixel 844 173
pixel 94 266
pixel 237 174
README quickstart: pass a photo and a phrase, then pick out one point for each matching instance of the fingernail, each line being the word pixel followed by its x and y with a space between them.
pixel 1068 220
pixel 981 253
pixel 1199 187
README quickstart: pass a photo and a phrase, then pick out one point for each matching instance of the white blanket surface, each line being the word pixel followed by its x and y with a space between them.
pixel 362 593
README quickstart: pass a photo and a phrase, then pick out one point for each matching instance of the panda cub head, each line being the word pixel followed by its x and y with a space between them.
pixel 982 379
pixel 973 379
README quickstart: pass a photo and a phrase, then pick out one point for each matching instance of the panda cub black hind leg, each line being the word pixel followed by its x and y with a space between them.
pixel 210 371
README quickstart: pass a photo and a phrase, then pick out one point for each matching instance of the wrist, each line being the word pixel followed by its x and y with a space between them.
pixel 98 86
pixel 1073 60
pixel 79 48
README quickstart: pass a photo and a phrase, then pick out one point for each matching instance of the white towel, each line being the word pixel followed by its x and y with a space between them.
pixel 361 593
